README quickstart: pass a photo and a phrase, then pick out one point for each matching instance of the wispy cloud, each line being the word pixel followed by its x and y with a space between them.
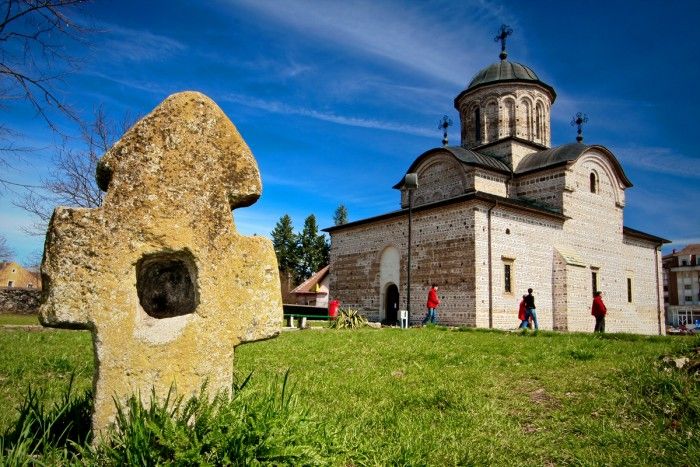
pixel 122 44
pixel 660 159
pixel 423 37
pixel 281 108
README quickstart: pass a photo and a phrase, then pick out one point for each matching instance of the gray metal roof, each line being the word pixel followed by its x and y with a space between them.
pixel 505 71
pixel 564 154
pixel 463 155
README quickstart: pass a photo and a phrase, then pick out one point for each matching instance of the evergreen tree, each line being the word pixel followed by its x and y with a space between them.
pixel 313 249
pixel 285 243
pixel 341 215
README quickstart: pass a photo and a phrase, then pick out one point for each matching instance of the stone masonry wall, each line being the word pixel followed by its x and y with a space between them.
pixel 546 187
pixel 494 103
pixel 490 182
pixel 516 239
pixel 440 177
pixel 19 301
pixel 595 233
pixel 441 254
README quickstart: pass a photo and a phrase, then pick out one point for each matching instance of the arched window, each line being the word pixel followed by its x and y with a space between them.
pixel 526 130
pixel 509 117
pixel 594 182
pixel 491 122
pixel 539 122
pixel 477 125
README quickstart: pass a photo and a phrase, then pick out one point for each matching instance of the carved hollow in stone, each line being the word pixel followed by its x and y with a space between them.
pixel 166 284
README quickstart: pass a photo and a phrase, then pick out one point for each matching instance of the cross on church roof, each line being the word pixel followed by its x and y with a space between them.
pixel 504 32
pixel 443 125
pixel 578 120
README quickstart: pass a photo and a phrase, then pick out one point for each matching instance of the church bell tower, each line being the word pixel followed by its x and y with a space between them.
pixel 505 110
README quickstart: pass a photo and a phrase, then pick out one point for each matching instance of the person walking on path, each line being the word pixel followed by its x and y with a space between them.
pixel 433 302
pixel 599 310
pixel 531 312
pixel 522 313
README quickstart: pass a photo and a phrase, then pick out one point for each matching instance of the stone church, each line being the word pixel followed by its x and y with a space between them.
pixel 500 213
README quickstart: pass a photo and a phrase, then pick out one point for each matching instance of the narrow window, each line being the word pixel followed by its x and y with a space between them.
pixel 10 284
pixel 510 117
pixel 507 284
pixel 593 183
pixel 629 290
pixel 539 121
pixel 477 125
pixel 594 281
pixel 491 122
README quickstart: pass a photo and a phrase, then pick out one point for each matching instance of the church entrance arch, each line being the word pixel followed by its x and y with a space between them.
pixel 391 304
pixel 389 267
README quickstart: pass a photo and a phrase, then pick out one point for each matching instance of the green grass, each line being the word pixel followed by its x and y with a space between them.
pixel 43 360
pixel 431 396
pixel 18 319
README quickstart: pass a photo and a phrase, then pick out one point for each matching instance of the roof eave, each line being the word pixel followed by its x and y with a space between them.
pixel 644 236
pixel 473 195
pixel 547 87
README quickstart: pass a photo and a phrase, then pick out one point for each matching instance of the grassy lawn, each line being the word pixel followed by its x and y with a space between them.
pixel 440 397
pixel 18 319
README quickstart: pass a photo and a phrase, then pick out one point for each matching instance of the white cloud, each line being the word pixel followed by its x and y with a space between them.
pixel 659 159
pixel 421 36
pixel 281 108
pixel 133 45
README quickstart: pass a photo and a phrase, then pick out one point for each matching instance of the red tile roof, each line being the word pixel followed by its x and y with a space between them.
pixel 309 285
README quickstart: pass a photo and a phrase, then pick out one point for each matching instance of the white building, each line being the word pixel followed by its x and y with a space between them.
pixel 502 212
pixel 682 285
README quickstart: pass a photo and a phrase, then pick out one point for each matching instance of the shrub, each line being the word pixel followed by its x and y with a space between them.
pixel 348 318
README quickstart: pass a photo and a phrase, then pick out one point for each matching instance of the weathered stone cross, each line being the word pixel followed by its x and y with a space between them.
pixel 158 273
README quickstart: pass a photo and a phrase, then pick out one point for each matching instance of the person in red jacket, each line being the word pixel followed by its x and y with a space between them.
pixel 522 313
pixel 433 302
pixel 598 310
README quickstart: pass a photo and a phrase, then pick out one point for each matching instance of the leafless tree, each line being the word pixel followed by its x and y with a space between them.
pixel 6 253
pixel 34 56
pixel 71 181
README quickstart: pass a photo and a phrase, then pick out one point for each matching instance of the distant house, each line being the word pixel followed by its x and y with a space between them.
pixel 682 285
pixel 313 291
pixel 14 275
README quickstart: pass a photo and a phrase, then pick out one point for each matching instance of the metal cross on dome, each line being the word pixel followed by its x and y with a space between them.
pixel 504 32
pixel 578 120
pixel 443 125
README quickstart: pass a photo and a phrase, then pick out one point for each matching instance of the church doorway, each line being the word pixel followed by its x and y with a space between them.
pixel 391 304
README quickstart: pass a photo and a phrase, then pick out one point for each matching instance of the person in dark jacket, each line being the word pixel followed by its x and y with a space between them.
pixel 599 310
pixel 433 302
pixel 531 312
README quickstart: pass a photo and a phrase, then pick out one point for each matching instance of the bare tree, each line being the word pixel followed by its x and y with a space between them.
pixel 6 253
pixel 71 182
pixel 33 59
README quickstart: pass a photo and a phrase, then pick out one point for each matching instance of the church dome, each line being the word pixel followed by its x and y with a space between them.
pixel 505 71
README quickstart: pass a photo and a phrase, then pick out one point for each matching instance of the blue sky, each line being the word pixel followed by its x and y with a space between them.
pixel 337 98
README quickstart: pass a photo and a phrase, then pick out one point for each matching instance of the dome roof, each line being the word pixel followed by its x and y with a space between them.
pixel 505 72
